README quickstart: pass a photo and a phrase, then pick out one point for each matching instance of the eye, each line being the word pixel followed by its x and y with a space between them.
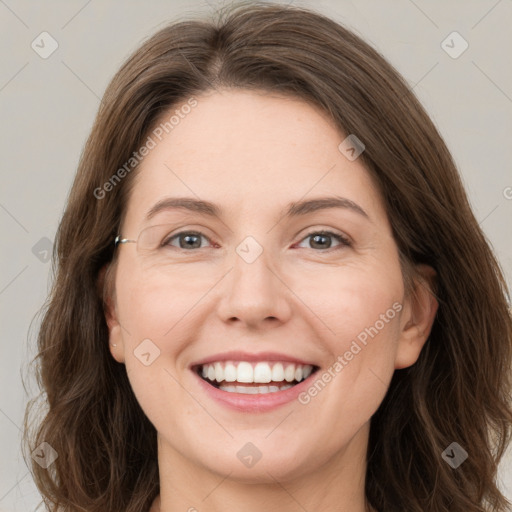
pixel 192 240
pixel 187 240
pixel 321 239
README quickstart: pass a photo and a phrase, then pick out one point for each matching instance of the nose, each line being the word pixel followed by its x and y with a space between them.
pixel 254 294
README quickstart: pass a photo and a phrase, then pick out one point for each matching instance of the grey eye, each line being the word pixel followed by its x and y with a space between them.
pixel 187 240
pixel 321 239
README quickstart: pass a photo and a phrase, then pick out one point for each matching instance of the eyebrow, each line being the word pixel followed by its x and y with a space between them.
pixel 294 209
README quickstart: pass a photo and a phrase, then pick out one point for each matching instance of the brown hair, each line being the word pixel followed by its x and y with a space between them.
pixel 458 390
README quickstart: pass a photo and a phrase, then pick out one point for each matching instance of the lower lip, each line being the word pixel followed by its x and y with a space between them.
pixel 261 402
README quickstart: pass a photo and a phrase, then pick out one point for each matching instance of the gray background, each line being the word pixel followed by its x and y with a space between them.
pixel 47 107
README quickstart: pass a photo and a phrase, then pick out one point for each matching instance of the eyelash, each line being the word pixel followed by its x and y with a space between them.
pixel 344 242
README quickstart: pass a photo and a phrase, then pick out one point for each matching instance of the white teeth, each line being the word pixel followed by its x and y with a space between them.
pixel 306 372
pixel 253 390
pixel 249 390
pixel 278 373
pixel 262 372
pixel 244 372
pixel 289 373
pixel 219 372
pixel 230 372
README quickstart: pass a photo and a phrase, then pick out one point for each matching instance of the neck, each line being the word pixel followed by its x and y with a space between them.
pixel 337 485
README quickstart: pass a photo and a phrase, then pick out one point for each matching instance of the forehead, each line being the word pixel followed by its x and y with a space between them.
pixel 250 152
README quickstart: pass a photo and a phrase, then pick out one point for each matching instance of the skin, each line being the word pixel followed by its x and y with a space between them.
pixel 252 153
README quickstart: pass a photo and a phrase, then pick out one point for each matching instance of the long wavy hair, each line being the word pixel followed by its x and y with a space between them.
pixel 458 390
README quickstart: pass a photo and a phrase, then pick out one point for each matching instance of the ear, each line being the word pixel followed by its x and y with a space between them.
pixel 418 315
pixel 107 292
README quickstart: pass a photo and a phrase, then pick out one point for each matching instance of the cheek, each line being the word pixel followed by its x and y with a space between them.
pixel 152 308
pixel 350 298
pixel 359 309
pixel 346 393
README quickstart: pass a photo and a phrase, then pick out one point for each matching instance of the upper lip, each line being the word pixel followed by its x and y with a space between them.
pixel 236 355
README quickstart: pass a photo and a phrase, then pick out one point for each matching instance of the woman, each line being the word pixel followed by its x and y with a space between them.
pixel 271 291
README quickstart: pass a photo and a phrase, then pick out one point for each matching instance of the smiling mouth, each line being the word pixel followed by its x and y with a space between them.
pixel 254 378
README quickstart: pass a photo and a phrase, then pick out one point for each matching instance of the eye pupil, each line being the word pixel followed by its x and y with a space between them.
pixel 319 236
pixel 188 239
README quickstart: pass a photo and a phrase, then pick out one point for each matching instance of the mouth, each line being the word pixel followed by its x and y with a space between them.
pixel 254 378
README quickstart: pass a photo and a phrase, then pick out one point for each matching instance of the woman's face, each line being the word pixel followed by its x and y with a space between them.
pixel 258 289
